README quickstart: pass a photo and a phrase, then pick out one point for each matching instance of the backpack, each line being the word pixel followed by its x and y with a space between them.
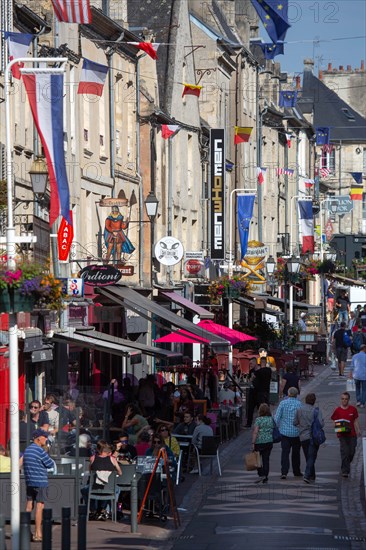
pixel 317 432
pixel 347 340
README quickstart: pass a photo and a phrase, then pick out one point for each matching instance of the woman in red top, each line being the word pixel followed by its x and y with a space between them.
pixel 347 439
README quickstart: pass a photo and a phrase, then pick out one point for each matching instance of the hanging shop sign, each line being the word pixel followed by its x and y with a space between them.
pixel 100 275
pixel 169 251
pixel 194 268
pixel 65 236
pixel 254 262
pixel 127 270
pixel 217 193
pixel 75 287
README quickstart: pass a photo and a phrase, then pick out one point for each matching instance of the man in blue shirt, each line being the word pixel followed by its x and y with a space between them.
pixel 35 464
pixel 358 372
pixel 290 439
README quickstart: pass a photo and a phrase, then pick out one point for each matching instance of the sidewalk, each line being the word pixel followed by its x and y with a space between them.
pixel 235 513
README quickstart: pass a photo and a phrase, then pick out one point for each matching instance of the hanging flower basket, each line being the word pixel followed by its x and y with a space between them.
pixel 231 292
pixel 12 301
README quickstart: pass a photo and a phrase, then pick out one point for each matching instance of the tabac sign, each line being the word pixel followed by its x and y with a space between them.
pixel 217 193
pixel 254 262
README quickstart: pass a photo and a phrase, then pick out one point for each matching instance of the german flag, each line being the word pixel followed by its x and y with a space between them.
pixel 191 89
pixel 242 135
pixel 356 192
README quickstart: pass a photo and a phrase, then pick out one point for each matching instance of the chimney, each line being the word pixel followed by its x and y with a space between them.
pixel 341 68
pixel 362 65
pixel 298 83
pixel 308 64
pixel 329 66
pixel 320 75
pixel 349 68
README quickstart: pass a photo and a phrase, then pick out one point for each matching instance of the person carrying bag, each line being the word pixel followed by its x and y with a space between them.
pixel 262 440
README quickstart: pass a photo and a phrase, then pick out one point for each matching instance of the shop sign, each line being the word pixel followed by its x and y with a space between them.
pixel 194 255
pixel 169 251
pixel 75 287
pixel 254 262
pixel 127 270
pixel 217 193
pixel 194 268
pixel 100 275
pixel 65 236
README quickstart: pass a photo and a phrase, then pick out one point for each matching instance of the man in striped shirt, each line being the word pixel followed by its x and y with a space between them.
pixel 290 440
pixel 35 464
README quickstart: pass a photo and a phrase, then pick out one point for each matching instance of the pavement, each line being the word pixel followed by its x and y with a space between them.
pixel 232 512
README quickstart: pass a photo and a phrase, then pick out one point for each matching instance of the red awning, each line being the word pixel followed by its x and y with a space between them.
pixel 233 336
pixel 181 337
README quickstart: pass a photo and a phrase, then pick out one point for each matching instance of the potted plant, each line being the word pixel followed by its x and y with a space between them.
pixel 27 287
pixel 229 287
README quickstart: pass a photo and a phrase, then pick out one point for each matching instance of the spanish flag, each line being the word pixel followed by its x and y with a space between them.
pixel 356 192
pixel 191 89
pixel 242 135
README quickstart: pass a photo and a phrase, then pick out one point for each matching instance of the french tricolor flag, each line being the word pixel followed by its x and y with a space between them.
pixel 288 139
pixel 260 174
pixel 168 130
pixel 45 95
pixel 93 77
pixel 306 225
pixel 18 46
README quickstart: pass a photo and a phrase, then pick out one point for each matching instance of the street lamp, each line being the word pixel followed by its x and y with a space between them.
pixel 151 205
pixel 39 176
pixel 292 267
pixel 270 268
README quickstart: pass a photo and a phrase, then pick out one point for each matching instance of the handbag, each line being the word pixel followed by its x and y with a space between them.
pixel 351 386
pixel 276 434
pixel 253 461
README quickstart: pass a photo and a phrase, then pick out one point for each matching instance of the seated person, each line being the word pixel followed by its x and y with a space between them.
pixel 38 417
pixel 133 423
pixel 202 429
pixel 262 352
pixel 153 451
pixel 85 449
pixel 143 442
pixel 187 426
pixel 5 465
pixel 169 439
pixel 123 451
pixel 226 394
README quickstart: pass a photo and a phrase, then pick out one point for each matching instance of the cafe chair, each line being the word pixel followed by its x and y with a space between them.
pixel 128 473
pixel 103 492
pixel 210 449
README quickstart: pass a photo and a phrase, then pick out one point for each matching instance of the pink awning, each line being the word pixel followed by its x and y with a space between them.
pixel 233 336
pixel 181 337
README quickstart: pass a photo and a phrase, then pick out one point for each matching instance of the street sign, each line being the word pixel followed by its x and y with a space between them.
pixel 340 205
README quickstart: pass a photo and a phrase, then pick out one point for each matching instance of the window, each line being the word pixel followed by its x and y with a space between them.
pixel 348 114
pixel 86 134
pixel 329 161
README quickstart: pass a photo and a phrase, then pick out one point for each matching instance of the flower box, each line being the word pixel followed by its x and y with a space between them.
pixel 231 292
pixel 12 301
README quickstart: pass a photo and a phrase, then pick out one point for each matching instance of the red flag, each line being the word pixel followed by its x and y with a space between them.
pixel 148 47
pixel 191 89
pixel 167 130
pixel 73 11
pixel 242 134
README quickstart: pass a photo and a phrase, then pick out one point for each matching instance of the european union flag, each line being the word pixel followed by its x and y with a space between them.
pixel 271 50
pixel 274 16
pixel 288 98
pixel 322 135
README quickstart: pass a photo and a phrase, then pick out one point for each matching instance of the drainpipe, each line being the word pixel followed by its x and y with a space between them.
pixel 138 174
pixel 112 129
pixel 260 114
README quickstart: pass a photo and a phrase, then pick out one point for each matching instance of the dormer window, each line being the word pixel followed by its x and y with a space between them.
pixel 348 114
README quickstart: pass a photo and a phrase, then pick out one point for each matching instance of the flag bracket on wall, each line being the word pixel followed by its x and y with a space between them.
pixel 194 48
pixel 201 73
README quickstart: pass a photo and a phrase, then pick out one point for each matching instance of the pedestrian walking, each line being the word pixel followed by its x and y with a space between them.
pixel 340 347
pixel 290 440
pixel 36 462
pixel 252 392
pixel 358 373
pixel 348 428
pixel 262 380
pixel 262 439
pixel 343 306
pixel 304 418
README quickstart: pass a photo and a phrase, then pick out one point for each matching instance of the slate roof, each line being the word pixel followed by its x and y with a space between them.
pixel 331 111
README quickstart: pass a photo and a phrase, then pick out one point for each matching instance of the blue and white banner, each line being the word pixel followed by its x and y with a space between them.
pixel 245 214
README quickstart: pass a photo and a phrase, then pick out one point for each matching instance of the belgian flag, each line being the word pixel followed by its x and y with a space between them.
pixel 242 135
pixel 356 192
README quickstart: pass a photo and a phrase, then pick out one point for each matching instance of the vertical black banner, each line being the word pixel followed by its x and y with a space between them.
pixel 217 193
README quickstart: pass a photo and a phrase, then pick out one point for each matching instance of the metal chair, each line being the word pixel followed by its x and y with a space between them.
pixel 128 473
pixel 105 492
pixel 209 449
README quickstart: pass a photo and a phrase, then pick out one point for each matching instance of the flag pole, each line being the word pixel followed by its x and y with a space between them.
pixel 11 242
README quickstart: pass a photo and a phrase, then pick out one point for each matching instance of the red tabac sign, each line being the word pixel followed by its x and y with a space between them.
pixel 65 236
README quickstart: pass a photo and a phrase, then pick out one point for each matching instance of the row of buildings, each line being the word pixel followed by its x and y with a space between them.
pixel 114 146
